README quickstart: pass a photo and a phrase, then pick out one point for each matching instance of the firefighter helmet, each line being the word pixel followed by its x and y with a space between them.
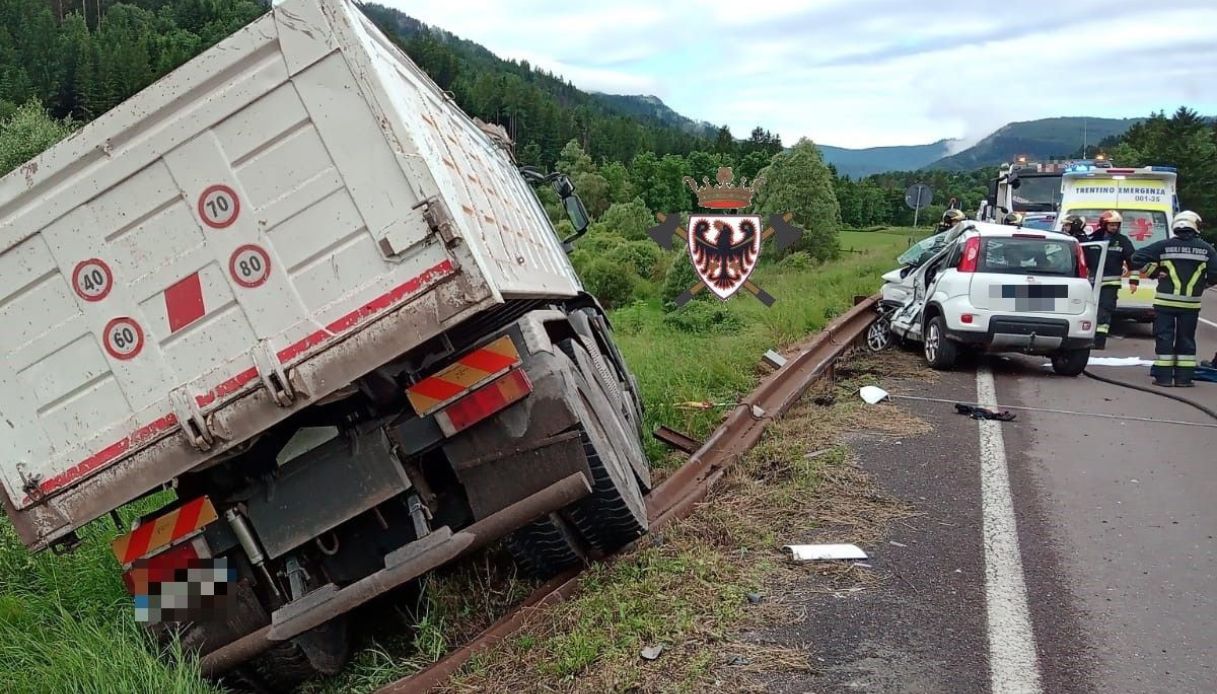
pixel 950 218
pixel 1014 219
pixel 1186 222
pixel 1074 224
pixel 1109 217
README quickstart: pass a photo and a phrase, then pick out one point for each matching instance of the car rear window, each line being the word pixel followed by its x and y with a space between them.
pixel 1027 256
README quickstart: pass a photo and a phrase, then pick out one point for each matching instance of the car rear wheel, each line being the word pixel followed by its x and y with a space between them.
pixel 940 352
pixel 1071 362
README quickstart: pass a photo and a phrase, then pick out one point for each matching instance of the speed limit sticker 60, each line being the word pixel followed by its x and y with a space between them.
pixel 249 266
pixel 219 206
pixel 92 279
pixel 123 338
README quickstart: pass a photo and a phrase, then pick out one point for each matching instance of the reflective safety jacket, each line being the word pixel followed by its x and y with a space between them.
pixel 1184 268
pixel 1119 254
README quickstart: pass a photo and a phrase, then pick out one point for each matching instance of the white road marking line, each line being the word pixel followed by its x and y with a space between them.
pixel 1206 320
pixel 1013 666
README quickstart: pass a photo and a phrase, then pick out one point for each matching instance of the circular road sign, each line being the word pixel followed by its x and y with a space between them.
pixel 918 196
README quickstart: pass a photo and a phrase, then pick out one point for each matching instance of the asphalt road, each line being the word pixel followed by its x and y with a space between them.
pixel 1061 552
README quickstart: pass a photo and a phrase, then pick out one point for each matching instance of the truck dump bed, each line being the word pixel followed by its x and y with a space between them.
pixel 279 216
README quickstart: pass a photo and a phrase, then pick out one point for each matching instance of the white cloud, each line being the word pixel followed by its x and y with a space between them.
pixel 856 74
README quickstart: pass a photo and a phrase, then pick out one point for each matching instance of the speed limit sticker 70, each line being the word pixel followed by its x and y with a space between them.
pixel 249 266
pixel 123 338
pixel 92 279
pixel 219 206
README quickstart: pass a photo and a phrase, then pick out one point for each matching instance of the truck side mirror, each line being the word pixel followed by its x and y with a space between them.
pixel 578 218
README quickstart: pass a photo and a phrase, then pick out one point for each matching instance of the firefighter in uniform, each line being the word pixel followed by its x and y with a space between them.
pixel 1185 265
pixel 1119 255
pixel 950 218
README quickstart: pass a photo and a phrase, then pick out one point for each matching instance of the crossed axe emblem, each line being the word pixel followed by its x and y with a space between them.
pixel 779 225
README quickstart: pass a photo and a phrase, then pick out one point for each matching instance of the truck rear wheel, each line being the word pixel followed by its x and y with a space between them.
pixel 614 514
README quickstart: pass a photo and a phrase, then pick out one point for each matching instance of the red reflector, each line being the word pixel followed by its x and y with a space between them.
pixel 966 318
pixel 484 401
pixel 159 568
pixel 1085 325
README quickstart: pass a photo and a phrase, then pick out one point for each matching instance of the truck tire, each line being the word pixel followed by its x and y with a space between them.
pixel 615 513
pixel 611 366
pixel 546 547
pixel 623 432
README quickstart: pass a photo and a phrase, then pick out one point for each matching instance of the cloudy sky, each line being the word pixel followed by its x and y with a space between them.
pixel 862 73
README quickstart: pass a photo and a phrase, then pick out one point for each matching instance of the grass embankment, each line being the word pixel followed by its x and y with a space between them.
pixel 66 625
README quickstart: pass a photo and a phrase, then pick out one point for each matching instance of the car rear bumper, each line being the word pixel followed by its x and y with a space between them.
pixel 1024 334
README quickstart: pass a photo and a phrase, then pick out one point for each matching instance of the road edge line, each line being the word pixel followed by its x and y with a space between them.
pixel 1013 661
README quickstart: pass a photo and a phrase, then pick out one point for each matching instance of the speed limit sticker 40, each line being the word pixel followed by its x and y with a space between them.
pixel 219 206
pixel 249 266
pixel 123 338
pixel 92 279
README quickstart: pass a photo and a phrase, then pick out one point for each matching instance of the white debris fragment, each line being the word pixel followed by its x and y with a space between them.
pixel 821 552
pixel 872 394
pixel 893 543
pixel 652 652
pixel 1112 361
pixel 774 359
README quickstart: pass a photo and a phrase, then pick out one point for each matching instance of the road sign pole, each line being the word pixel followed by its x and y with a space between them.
pixel 917 209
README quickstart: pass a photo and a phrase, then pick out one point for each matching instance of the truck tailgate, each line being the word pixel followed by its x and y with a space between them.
pixel 231 229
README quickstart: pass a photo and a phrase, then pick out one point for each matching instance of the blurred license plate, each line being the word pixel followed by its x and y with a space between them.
pixel 1039 298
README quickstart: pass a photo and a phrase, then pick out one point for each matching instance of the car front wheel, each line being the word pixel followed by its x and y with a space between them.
pixel 940 352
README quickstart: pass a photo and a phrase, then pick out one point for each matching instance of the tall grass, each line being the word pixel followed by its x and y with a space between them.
pixel 676 366
pixel 67 625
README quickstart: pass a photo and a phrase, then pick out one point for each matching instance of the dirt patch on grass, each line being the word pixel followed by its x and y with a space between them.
pixel 702 587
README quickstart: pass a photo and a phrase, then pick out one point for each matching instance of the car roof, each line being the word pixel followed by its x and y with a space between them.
pixel 991 229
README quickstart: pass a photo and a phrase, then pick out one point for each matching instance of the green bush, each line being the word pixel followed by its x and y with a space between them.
pixel 640 256
pixel 704 318
pixel 680 277
pixel 799 260
pixel 26 132
pixel 611 284
pixel 631 319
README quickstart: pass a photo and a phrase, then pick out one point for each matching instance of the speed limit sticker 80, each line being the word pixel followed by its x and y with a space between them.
pixel 219 206
pixel 249 266
pixel 123 338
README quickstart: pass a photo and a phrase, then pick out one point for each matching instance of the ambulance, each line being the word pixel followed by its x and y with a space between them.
pixel 1145 197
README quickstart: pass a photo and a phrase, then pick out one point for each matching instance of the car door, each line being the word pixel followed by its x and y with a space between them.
pixel 907 319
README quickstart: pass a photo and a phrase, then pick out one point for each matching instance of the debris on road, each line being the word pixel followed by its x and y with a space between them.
pixel 1112 361
pixel 652 652
pixel 872 394
pixel 822 552
pixel 978 412
pixel 893 543
pixel 774 359
pixel 754 598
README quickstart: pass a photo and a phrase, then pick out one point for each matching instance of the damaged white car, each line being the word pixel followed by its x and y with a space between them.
pixel 991 288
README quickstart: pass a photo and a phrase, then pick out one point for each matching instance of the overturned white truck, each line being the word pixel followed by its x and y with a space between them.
pixel 294 286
